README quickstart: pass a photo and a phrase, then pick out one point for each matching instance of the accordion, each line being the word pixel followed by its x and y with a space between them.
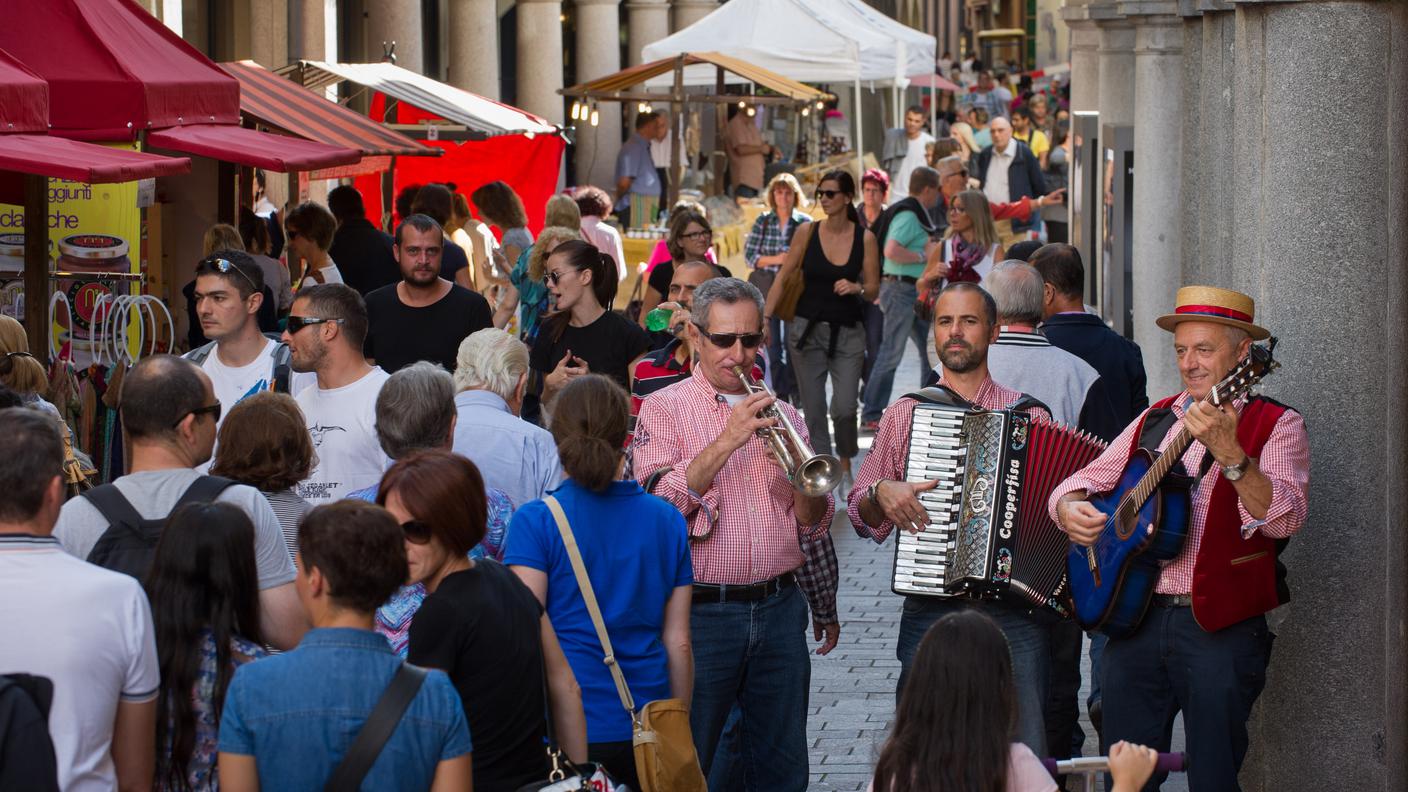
pixel 989 534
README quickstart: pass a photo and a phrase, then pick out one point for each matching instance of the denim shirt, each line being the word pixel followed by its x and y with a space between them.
pixel 297 714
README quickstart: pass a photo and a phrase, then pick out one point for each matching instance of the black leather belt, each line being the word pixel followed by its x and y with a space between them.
pixel 900 278
pixel 747 592
pixel 1173 600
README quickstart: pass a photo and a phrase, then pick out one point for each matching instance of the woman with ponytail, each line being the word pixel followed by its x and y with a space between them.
pixel 636 554
pixel 840 264
pixel 583 334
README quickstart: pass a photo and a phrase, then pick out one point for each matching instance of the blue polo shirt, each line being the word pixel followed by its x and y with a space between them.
pixel 297 714
pixel 634 161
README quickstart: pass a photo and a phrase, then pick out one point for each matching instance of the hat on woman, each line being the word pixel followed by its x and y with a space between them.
pixel 1211 304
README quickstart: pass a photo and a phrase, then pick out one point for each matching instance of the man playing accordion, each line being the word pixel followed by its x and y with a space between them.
pixel 965 324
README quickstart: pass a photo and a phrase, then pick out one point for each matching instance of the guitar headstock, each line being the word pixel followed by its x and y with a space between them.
pixel 1246 374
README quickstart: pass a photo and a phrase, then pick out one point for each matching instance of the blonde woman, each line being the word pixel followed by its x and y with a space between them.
pixel 765 250
pixel 529 288
pixel 500 205
pixel 964 133
pixel 970 246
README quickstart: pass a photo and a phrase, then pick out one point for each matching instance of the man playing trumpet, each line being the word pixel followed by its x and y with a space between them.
pixel 745 522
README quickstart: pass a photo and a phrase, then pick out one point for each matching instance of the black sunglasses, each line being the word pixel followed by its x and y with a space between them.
pixel 416 532
pixel 225 267
pixel 828 194
pixel 7 362
pixel 726 340
pixel 212 409
pixel 553 276
pixel 296 323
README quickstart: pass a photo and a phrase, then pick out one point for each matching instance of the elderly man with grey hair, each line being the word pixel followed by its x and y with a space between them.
pixel 520 458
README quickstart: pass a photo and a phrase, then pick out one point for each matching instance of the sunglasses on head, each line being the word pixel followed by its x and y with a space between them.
pixel 212 409
pixel 296 323
pixel 828 194
pixel 726 340
pixel 225 267
pixel 416 532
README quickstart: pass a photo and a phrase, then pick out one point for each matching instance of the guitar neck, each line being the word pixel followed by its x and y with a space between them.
pixel 1167 459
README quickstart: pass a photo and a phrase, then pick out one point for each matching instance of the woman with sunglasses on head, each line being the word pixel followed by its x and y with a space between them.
pixel 690 238
pixel 840 263
pixel 636 555
pixel 584 335
pixel 971 246
pixel 480 624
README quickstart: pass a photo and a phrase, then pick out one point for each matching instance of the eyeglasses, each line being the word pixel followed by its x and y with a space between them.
pixel 698 235
pixel 727 340
pixel 7 363
pixel 416 532
pixel 960 172
pixel 956 208
pixel 225 267
pixel 211 409
pixel 296 323
pixel 828 194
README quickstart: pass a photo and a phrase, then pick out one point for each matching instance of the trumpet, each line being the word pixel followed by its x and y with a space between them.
pixel 811 474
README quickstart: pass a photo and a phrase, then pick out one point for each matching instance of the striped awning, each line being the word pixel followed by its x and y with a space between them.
pixel 626 79
pixel 274 101
pixel 481 117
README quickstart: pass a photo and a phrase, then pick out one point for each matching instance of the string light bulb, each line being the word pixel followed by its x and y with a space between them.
pixel 820 105
pixel 806 111
pixel 752 111
pixel 742 104
pixel 595 117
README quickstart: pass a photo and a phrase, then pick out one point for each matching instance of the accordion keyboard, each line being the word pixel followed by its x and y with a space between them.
pixel 936 451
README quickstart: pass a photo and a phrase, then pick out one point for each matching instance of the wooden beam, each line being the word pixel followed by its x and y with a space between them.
pixel 36 266
pixel 614 96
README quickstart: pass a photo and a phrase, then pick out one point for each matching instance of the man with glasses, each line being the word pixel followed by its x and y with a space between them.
pixel 169 412
pixel 953 179
pixel 327 328
pixel 746 523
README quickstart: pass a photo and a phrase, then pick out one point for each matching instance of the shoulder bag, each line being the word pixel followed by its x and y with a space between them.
pixel 792 283
pixel 664 747
pixel 348 775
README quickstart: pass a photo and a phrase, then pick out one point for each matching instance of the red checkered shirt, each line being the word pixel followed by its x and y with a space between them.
pixel 1285 460
pixel 886 459
pixel 744 528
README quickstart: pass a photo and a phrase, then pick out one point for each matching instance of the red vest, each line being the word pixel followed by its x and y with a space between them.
pixel 1235 578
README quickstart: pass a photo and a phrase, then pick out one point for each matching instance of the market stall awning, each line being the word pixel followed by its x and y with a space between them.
pixel 274 101
pixel 24 97
pixel 481 117
pixel 75 160
pixel 249 147
pixel 622 83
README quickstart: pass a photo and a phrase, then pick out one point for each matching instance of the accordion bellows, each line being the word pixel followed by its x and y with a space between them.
pixel 989 534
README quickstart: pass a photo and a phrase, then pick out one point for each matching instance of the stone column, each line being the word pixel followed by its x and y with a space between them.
pixel 398 21
pixel 1085 56
pixel 1116 50
pixel 1318 239
pixel 1158 156
pixel 1210 220
pixel 648 22
pixel 687 12
pixel 313 35
pixel 540 58
pixel 598 54
pixel 474 47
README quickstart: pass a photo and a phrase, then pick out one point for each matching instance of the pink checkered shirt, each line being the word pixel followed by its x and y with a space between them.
pixel 885 462
pixel 1285 460
pixel 755 532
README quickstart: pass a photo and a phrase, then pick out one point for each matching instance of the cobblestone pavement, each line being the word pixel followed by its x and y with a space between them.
pixel 853 688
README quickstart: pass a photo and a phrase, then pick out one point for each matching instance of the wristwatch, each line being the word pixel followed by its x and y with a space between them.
pixel 1235 472
pixel 872 493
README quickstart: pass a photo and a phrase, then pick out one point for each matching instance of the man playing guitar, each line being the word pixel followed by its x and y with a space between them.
pixel 1203 645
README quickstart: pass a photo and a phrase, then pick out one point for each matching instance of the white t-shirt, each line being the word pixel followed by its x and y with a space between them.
pixel 235 383
pixel 342 422
pixel 87 629
pixel 914 156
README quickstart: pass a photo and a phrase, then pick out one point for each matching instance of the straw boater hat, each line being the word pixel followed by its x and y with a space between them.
pixel 1211 304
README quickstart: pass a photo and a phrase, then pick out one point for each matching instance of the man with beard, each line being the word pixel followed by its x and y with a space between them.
pixel 327 327
pixel 965 324
pixel 424 316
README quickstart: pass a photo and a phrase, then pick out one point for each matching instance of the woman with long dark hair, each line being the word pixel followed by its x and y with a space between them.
pixel 584 335
pixel 956 717
pixel 204 592
pixel 840 264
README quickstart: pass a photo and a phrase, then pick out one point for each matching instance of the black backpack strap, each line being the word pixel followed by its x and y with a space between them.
pixel 348 775
pixel 204 490
pixel 115 508
pixel 282 368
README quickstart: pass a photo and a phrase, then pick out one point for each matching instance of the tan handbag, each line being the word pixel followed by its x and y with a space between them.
pixel 664 746
pixel 793 283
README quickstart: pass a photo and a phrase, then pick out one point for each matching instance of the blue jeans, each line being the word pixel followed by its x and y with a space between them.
pixel 753 655
pixel 897 303
pixel 1028 635
pixel 780 368
pixel 1172 665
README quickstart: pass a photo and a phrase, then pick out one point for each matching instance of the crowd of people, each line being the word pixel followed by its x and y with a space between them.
pixel 450 447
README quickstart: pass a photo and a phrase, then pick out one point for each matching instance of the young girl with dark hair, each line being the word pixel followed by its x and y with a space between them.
pixel 954 724
pixel 636 555
pixel 204 593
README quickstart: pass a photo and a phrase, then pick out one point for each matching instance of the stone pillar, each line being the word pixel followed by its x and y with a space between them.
pixel 540 58
pixel 598 54
pixel 1116 87
pixel 1191 159
pixel 1318 239
pixel 398 21
pixel 313 35
pixel 1158 155
pixel 648 22
pixel 474 47
pixel 687 12
pixel 1210 223
pixel 1085 56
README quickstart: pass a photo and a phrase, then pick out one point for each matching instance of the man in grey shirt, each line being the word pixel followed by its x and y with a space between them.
pixel 169 412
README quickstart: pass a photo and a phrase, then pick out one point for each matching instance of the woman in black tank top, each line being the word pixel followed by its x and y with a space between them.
pixel 840 265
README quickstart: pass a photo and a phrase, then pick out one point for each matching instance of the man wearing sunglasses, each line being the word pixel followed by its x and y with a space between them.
pixel 746 524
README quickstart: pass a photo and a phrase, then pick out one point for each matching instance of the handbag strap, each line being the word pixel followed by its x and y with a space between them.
pixel 348 774
pixel 589 596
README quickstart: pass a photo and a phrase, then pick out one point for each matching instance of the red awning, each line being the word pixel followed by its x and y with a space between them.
pixel 24 97
pixel 249 147
pixel 113 69
pixel 83 162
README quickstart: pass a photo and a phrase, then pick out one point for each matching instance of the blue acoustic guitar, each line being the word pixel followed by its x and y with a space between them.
pixel 1113 580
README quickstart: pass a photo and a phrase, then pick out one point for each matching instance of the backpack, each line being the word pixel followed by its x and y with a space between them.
pixel 881 227
pixel 282 366
pixel 129 543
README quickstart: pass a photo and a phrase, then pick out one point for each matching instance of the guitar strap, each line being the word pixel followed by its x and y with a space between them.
pixel 1157 424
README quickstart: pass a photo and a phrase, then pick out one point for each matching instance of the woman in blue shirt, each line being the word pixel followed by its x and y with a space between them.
pixel 636 553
